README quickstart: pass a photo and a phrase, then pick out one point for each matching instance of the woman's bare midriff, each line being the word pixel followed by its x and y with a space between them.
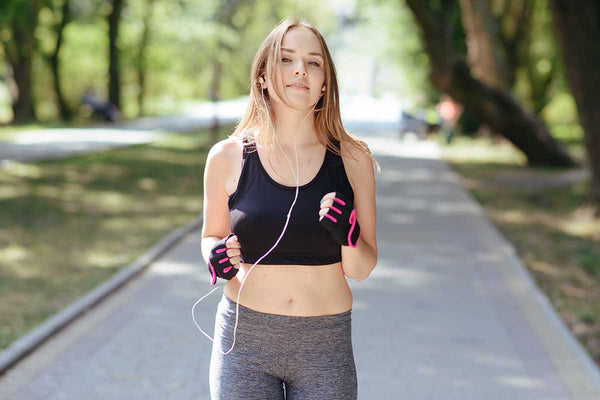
pixel 299 290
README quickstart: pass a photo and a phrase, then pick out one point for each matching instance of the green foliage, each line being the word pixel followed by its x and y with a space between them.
pixel 5 103
pixel 561 116
pixel 186 38
pixel 561 110
pixel 589 260
pixel 395 45
pixel 16 12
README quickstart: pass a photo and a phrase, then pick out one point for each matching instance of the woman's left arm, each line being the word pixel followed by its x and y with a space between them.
pixel 359 261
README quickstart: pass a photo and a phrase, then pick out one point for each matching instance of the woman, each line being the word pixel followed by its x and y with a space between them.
pixel 292 333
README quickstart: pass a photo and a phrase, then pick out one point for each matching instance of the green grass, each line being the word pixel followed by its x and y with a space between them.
pixel 553 229
pixel 68 225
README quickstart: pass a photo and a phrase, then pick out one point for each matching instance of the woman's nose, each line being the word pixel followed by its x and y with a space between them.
pixel 299 69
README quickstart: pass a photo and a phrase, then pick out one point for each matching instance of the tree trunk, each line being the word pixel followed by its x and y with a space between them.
pixel 485 54
pixel 499 43
pixel 577 25
pixel 222 18
pixel 215 97
pixel 65 112
pixel 23 104
pixel 141 63
pixel 504 115
pixel 494 107
pixel 114 76
pixel 20 49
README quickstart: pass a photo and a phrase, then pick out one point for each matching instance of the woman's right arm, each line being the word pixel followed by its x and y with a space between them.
pixel 215 209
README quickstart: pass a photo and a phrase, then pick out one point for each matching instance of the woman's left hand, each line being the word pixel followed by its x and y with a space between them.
pixel 326 202
pixel 337 214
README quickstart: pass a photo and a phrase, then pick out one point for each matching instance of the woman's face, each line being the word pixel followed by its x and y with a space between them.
pixel 302 62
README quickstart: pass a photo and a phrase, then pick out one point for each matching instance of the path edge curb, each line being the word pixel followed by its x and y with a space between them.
pixel 580 353
pixel 26 344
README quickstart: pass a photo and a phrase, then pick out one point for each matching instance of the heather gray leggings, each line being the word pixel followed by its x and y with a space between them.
pixel 281 356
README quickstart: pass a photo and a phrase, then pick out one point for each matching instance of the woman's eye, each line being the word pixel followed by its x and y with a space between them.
pixel 285 60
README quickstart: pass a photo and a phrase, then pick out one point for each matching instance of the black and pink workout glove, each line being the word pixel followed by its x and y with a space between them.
pixel 341 221
pixel 219 263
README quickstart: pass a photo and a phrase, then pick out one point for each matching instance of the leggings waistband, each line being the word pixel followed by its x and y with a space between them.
pixel 252 317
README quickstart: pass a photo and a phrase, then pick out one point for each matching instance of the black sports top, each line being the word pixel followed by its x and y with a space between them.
pixel 259 206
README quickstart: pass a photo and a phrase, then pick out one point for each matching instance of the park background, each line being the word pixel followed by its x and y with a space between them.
pixel 527 145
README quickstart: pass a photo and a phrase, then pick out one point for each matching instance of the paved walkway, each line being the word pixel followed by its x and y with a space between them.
pixel 448 313
pixel 45 144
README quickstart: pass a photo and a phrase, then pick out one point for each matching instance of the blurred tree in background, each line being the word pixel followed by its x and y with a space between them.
pixel 57 16
pixel 500 44
pixel 498 58
pixel 578 30
pixel 114 69
pixel 18 23
pixel 147 56
pixel 140 61
pixel 482 82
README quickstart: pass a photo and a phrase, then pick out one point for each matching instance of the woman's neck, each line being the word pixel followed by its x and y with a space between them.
pixel 286 124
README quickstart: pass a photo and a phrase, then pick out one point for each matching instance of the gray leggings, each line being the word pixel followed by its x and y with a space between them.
pixel 282 356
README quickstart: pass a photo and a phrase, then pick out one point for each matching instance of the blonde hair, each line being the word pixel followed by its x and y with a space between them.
pixel 328 122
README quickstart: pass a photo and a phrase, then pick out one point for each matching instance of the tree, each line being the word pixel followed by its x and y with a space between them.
pixel 507 37
pixel 224 16
pixel 54 60
pixel 20 19
pixel 494 106
pixel 487 55
pixel 114 73
pixel 577 26
pixel 141 56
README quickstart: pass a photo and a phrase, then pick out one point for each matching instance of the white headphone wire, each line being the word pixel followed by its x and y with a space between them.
pixel 296 174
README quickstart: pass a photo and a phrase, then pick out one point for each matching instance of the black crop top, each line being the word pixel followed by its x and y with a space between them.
pixel 259 206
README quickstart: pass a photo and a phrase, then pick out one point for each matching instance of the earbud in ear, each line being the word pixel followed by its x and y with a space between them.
pixel 262 82
pixel 323 88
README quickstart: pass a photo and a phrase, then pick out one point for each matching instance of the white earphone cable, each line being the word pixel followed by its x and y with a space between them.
pixel 296 174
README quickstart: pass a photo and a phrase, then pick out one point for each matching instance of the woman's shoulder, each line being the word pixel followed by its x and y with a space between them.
pixel 224 162
pixel 357 160
pixel 226 150
pixel 355 152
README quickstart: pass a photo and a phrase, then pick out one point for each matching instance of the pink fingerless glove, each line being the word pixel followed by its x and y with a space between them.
pixel 341 221
pixel 219 264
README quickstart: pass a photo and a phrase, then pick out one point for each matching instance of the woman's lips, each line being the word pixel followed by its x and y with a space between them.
pixel 298 88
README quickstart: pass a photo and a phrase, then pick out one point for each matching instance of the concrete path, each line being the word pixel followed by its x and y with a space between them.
pixel 448 313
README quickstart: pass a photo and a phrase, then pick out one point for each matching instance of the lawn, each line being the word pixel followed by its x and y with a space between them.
pixel 68 225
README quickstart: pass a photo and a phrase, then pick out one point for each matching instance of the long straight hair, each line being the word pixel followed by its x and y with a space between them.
pixel 255 124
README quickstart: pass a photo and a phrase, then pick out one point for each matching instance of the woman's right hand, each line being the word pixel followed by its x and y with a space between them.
pixel 225 258
pixel 234 251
